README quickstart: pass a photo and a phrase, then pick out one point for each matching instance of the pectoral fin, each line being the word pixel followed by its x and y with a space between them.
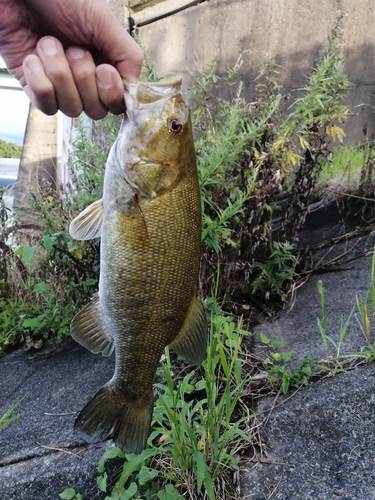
pixel 87 225
pixel 191 342
pixel 88 329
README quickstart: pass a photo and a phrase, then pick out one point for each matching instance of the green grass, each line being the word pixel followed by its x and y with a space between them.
pixel 7 418
pixel 342 174
pixel 283 378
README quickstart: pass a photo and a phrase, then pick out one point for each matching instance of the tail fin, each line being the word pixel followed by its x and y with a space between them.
pixel 111 414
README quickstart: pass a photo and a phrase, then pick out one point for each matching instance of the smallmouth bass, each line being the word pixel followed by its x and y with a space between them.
pixel 149 221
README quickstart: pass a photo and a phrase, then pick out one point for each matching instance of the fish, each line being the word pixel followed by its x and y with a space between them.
pixel 149 221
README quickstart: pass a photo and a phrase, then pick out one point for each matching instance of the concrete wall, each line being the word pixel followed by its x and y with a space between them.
pixel 39 159
pixel 182 35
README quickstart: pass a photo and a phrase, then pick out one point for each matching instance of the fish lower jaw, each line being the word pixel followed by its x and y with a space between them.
pixel 147 164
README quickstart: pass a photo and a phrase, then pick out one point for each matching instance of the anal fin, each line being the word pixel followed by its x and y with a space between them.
pixel 88 329
pixel 191 342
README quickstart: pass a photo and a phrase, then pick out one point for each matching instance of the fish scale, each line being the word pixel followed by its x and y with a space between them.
pixel 149 221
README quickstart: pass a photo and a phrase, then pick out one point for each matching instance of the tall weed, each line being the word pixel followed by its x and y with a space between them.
pixel 249 153
pixel 200 428
pixel 45 276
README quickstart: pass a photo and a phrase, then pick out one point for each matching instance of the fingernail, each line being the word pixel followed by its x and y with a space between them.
pixel 105 79
pixel 33 64
pixel 76 53
pixel 49 47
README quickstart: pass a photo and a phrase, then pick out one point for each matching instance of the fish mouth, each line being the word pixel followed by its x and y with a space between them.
pixel 131 165
pixel 144 163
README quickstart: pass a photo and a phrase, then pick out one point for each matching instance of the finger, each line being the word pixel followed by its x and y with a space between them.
pixel 111 38
pixel 57 69
pixel 38 87
pixel 82 67
pixel 131 65
pixel 111 88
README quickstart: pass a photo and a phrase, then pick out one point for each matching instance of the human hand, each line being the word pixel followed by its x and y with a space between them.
pixel 68 54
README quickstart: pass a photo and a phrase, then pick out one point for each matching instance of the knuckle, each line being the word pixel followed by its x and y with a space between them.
pixel 83 74
pixel 57 75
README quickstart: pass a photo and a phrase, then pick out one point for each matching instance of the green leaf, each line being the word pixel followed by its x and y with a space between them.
pixel 202 471
pixel 18 251
pixel 130 492
pixel 68 494
pixel 276 356
pixel 238 371
pixel 42 287
pixel 135 462
pixel 264 339
pixel 28 253
pixel 6 419
pixel 287 355
pixel 90 282
pixel 285 382
pixel 48 243
pixel 146 474
pixel 170 493
pixel 33 323
pixel 111 453
pixel 276 343
pixel 200 385
pixel 101 481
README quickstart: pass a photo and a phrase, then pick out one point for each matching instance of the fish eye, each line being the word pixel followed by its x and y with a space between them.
pixel 175 127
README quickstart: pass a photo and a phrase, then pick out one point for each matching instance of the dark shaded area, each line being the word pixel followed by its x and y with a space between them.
pixel 40 454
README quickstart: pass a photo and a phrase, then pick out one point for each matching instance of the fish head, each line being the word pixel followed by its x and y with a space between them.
pixel 155 137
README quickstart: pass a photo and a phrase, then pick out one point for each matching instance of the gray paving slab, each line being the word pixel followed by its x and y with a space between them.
pixel 320 443
pixel 298 323
pixel 40 454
